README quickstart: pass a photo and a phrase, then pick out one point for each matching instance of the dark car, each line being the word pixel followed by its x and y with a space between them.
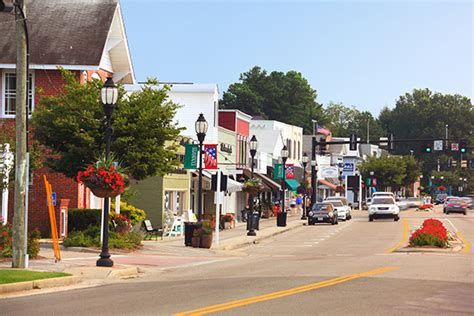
pixel 455 205
pixel 322 213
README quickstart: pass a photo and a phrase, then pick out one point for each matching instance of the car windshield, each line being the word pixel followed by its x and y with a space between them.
pixel 337 203
pixel 453 199
pixel 342 200
pixel 321 207
pixel 381 200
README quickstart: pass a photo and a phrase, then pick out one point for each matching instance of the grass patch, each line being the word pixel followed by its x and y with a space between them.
pixel 14 276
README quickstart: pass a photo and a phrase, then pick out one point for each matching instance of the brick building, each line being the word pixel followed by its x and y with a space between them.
pixel 86 37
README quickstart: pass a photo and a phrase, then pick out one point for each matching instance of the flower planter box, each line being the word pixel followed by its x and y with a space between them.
pixel 206 241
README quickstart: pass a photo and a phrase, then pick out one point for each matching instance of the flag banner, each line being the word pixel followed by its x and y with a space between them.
pixel 290 171
pixel 278 171
pixel 191 156
pixel 210 156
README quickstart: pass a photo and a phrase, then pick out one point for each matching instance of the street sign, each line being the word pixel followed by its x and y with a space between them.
pixel 383 141
pixel 438 145
pixel 463 163
pixel 53 198
pixel 348 167
pixel 454 147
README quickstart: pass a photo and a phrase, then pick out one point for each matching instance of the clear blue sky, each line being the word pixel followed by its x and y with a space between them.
pixel 361 53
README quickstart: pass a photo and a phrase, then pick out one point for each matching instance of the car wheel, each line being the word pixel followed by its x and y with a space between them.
pixel 396 219
pixel 371 219
pixel 447 213
pixel 464 213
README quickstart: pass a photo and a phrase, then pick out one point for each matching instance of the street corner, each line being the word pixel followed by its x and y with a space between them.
pixel 105 273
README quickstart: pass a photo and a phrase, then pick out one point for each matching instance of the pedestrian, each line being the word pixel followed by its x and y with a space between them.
pixel 276 208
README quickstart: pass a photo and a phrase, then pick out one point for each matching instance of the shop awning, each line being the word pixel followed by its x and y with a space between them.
pixel 232 185
pixel 327 183
pixel 248 174
pixel 292 184
pixel 272 184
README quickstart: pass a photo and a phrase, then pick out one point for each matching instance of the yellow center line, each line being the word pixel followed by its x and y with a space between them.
pixel 283 293
pixel 466 249
pixel 406 229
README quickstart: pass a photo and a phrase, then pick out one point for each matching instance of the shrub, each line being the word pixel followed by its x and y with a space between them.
pixel 431 233
pixel 135 215
pixel 33 246
pixel 79 219
pixel 91 238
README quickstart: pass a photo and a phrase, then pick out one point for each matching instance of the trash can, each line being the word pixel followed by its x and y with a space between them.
pixel 253 221
pixel 281 219
pixel 189 228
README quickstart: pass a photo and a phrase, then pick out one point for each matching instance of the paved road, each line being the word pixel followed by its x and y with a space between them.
pixel 323 269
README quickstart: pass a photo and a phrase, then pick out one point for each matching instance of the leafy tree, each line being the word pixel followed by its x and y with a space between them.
pixel 285 97
pixel 412 170
pixel 343 121
pixel 71 125
pixel 423 114
pixel 390 171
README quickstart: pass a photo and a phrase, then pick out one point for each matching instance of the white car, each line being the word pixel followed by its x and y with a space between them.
pixel 343 208
pixel 383 194
pixel 383 207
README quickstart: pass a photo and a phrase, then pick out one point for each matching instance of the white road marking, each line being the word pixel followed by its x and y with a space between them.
pixel 455 229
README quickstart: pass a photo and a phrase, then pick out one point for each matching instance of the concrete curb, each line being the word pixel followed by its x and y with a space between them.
pixel 242 241
pixel 38 284
pixel 124 273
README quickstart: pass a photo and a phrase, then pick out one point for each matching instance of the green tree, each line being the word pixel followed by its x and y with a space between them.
pixel 71 125
pixel 390 171
pixel 343 121
pixel 286 97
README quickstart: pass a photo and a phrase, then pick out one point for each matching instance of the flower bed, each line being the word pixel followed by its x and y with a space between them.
pixel 431 233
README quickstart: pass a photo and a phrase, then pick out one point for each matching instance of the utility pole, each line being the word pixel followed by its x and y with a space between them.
pixel 18 242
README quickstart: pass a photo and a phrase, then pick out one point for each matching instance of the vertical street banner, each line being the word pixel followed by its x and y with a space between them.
pixel 278 171
pixel 191 156
pixel 290 171
pixel 210 156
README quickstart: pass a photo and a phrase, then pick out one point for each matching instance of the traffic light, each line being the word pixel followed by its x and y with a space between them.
pixel 462 146
pixel 428 147
pixel 353 142
pixel 322 145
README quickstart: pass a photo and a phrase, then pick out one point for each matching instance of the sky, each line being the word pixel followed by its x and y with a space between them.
pixel 361 53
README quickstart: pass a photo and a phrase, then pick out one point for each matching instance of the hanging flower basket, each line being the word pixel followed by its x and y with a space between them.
pixel 104 179
pixel 252 186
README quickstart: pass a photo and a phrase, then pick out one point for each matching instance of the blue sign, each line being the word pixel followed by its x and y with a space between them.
pixel 348 167
pixel 53 197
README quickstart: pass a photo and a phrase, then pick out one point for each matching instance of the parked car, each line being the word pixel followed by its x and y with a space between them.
pixel 384 207
pixel 403 204
pixel 469 201
pixel 345 205
pixel 322 213
pixel 342 212
pixel 414 202
pixel 455 205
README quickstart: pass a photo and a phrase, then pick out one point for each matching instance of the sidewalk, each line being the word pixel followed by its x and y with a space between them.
pixel 154 256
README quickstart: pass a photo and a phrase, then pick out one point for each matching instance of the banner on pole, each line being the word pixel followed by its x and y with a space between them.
pixel 191 156
pixel 210 156
pixel 290 171
pixel 278 171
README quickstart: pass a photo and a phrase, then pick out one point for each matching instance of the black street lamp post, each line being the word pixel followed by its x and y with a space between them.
pixel 252 223
pixel 108 96
pixel 305 162
pixel 284 156
pixel 201 130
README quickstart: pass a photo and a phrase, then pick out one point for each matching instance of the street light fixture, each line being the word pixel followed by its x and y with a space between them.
pixel 201 130
pixel 108 96
pixel 252 223
pixel 282 214
pixel 305 160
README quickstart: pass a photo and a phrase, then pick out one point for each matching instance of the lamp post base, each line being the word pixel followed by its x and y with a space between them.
pixel 303 218
pixel 105 262
pixel 252 233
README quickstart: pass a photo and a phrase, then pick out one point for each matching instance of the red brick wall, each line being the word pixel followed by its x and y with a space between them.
pixel 227 120
pixel 49 82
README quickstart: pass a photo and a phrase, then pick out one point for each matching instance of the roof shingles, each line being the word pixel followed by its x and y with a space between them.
pixel 62 32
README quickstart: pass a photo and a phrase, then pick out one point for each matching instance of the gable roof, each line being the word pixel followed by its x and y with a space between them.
pixel 62 32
